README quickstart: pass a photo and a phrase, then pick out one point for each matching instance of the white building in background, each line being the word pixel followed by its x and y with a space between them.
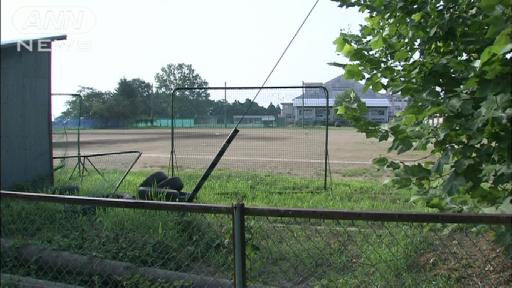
pixel 311 107
pixel 287 112
pixel 398 105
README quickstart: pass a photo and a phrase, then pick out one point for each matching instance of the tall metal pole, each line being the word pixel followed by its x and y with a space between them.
pixel 326 153
pixel 213 164
pixel 225 106
pixel 78 135
pixel 151 105
pixel 172 133
pixel 303 95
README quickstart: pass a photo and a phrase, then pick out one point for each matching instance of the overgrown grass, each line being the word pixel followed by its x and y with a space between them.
pixel 165 240
pixel 329 251
pixel 366 172
pixel 275 190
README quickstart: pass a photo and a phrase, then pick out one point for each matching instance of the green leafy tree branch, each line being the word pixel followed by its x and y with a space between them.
pixel 452 61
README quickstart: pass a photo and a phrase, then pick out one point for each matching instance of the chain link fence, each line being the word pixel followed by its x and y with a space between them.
pixel 93 246
pixel 116 243
pixel 295 252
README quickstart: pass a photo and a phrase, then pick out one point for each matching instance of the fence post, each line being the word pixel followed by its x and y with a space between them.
pixel 239 244
pixel 326 148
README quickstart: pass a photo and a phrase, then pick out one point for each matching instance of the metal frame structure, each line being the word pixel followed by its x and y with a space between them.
pixel 234 132
pixel 81 169
pixel 328 214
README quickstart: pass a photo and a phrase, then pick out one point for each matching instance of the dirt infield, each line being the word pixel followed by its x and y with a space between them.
pixel 291 151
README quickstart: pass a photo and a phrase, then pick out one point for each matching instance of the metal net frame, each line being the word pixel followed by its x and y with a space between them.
pixel 98 171
pixel 292 142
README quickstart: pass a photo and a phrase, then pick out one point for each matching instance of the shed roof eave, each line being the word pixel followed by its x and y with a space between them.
pixel 10 43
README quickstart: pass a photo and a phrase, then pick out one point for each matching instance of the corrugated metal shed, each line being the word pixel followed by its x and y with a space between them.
pixel 25 133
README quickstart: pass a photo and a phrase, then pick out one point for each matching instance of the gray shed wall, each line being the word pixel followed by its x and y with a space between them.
pixel 25 109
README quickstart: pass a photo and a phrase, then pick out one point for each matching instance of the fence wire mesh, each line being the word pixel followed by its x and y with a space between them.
pixel 294 252
pixel 283 132
pixel 113 247
pixel 93 246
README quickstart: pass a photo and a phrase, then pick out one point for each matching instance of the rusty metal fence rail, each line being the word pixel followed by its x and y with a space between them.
pixel 50 240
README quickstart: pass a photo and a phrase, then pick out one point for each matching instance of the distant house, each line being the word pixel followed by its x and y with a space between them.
pixel 310 107
pixel 378 109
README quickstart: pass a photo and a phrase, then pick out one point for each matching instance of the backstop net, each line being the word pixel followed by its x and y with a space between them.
pixel 282 143
pixel 283 136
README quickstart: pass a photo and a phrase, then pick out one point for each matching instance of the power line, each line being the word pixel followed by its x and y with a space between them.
pixel 277 63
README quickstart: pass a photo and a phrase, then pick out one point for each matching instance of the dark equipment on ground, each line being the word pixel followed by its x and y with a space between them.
pixel 158 186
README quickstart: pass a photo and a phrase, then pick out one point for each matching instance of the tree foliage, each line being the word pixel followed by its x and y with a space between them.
pixel 219 109
pixel 131 100
pixel 452 61
pixel 188 103
pixel 134 100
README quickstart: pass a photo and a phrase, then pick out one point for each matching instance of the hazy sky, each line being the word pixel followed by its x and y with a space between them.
pixel 233 41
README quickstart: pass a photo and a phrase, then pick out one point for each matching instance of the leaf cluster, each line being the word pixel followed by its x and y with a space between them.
pixel 452 61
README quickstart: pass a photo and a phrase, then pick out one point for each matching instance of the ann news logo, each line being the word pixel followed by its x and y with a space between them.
pixel 53 20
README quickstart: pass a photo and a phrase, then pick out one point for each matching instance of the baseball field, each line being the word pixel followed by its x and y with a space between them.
pixel 293 151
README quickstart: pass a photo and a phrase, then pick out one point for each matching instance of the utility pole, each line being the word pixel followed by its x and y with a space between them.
pixel 225 106
pixel 151 105
pixel 303 95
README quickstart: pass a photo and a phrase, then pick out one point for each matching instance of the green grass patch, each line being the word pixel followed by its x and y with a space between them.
pixel 369 172
pixel 165 240
pixel 273 190
pixel 280 252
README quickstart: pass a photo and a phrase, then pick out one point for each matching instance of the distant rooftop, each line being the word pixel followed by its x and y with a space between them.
pixel 320 102
pixel 376 102
pixel 262 117
pixel 336 86
pixel 9 43
pixel 313 84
